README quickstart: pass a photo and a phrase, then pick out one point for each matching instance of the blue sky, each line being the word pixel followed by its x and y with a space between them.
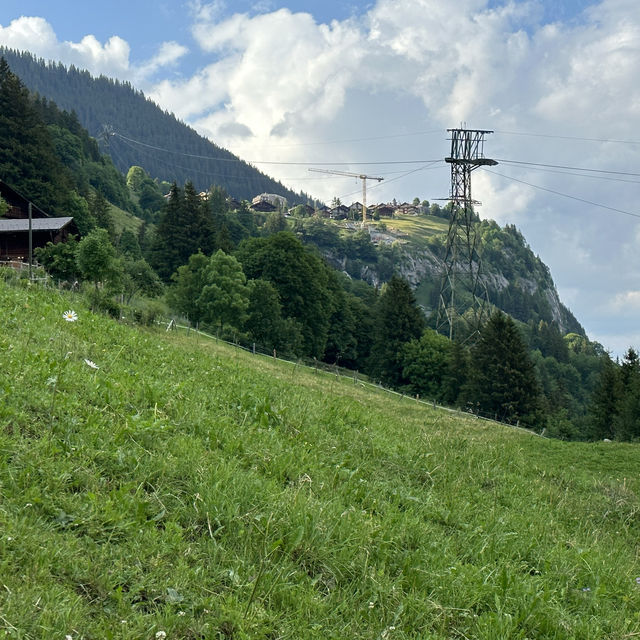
pixel 349 83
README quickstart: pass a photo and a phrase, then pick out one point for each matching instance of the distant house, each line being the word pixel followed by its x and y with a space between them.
pixel 304 210
pixel 356 208
pixel 384 210
pixel 14 226
pixel 407 209
pixel 323 211
pixel 341 212
pixel 279 202
pixel 14 235
pixel 262 205
pixel 233 204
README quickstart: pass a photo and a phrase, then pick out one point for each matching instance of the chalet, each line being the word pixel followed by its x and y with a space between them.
pixel 14 226
pixel 14 235
pixel 18 205
pixel 384 210
pixel 304 210
pixel 233 204
pixel 263 205
pixel 407 209
pixel 279 202
pixel 356 209
pixel 341 212
pixel 323 211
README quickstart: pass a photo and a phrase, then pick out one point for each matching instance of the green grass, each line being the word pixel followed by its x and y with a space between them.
pixel 194 489
pixel 419 228
pixel 124 220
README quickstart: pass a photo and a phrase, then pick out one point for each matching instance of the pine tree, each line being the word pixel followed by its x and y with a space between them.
pixel 172 246
pixel 502 381
pixel 605 401
pixel 627 421
pixel 398 320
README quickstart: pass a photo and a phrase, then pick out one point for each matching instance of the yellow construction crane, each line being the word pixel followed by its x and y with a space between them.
pixel 362 177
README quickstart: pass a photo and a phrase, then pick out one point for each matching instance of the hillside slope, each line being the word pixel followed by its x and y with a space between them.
pixel 154 482
pixel 103 101
pixel 517 280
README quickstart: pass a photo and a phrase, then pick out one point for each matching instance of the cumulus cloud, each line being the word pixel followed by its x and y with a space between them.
pixel 110 58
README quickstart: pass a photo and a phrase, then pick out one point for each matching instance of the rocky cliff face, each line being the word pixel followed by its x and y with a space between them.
pixel 517 281
pixel 525 294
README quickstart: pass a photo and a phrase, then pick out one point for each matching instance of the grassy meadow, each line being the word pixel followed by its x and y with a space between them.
pixel 158 484
pixel 419 228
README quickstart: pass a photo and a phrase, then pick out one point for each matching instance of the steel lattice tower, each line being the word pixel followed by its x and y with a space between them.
pixel 463 300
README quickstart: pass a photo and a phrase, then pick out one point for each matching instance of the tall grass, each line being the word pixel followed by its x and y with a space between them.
pixel 189 488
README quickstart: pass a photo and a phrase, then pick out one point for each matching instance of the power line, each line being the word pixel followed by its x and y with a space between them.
pixel 549 135
pixel 271 162
pixel 400 177
pixel 561 166
pixel 345 140
pixel 577 175
pixel 565 195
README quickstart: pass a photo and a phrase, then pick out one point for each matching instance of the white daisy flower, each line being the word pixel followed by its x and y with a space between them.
pixel 91 363
pixel 70 315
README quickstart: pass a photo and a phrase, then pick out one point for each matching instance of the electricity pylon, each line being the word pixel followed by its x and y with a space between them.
pixel 362 177
pixel 462 290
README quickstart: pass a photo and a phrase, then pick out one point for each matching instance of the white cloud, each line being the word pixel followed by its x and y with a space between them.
pixel 111 58
pixel 626 301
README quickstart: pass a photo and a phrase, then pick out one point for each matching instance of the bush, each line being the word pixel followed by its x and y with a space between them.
pixel 101 300
pixel 149 312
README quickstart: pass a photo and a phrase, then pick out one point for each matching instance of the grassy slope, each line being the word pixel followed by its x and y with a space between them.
pixel 419 228
pixel 124 220
pixel 190 488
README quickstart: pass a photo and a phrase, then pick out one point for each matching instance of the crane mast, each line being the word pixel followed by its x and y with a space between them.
pixel 362 177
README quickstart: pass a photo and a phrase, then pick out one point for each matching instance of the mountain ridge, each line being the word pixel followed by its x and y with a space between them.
pixel 134 117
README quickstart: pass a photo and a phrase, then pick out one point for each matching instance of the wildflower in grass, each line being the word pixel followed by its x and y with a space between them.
pixel 161 635
pixel 70 315
pixel 638 581
pixel 91 364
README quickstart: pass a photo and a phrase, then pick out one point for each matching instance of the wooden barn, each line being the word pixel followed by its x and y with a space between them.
pixel 14 227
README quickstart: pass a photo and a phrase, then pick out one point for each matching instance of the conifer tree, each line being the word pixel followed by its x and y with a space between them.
pixel 99 210
pixel 502 381
pixel 172 246
pixel 605 401
pixel 398 320
pixel 627 420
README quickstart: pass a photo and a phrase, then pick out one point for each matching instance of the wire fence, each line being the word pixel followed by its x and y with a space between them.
pixel 308 363
pixel 317 366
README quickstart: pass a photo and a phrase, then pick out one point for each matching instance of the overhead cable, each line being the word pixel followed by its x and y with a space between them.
pixel 564 195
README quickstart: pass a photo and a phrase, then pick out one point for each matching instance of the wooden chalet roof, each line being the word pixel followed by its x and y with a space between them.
pixel 18 225
pixel 18 204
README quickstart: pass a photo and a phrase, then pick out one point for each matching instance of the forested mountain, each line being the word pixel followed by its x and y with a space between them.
pixel 46 155
pixel 102 101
